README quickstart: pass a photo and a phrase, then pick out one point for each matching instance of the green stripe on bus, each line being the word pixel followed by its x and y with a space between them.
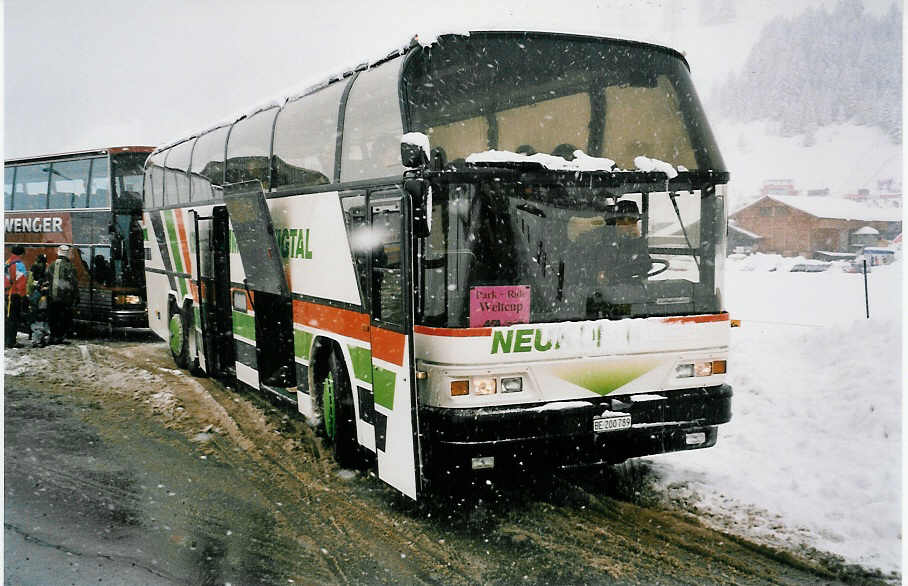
pixel 302 342
pixel 383 387
pixel 182 282
pixel 174 241
pixel 145 234
pixel 244 325
pixel 198 317
pixel 362 363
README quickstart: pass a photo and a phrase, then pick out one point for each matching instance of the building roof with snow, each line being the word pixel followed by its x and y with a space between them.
pixel 834 207
pixel 741 230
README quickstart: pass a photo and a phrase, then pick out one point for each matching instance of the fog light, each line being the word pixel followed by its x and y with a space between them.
pixel 718 367
pixel 127 300
pixel 512 384
pixel 483 463
pixel 703 368
pixel 695 439
pixel 483 385
pixel 460 388
pixel 684 370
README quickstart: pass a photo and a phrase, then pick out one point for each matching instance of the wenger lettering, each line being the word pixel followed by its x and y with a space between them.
pixel 49 224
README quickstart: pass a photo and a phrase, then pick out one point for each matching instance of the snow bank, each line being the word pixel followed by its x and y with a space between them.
pixel 812 454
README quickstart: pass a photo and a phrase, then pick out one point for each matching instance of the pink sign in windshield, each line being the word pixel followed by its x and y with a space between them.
pixel 499 306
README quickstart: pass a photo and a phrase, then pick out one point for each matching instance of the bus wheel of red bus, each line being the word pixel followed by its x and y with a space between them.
pixel 335 402
pixel 179 337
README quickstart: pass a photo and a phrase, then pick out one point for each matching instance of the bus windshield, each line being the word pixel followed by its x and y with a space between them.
pixel 567 253
pixel 128 174
pixel 537 93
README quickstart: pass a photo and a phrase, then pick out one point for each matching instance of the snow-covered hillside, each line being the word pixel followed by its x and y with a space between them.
pixel 813 453
pixel 842 158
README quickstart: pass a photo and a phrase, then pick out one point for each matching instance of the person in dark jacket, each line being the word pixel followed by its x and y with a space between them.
pixel 38 288
pixel 16 278
pixel 64 295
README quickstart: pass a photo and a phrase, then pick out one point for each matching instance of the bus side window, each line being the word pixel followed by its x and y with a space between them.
pixel 207 168
pixel 176 165
pixel 68 183
pixel 31 187
pixel 358 234
pixel 372 125
pixel 248 148
pixel 311 161
pixel 99 184
pixel 386 262
pixel 435 269
pixel 8 174
pixel 82 269
pixel 101 270
pixel 153 197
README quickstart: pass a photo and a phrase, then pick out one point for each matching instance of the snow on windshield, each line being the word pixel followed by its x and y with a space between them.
pixel 581 162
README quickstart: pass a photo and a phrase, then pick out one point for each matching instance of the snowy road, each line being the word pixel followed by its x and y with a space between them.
pixel 120 468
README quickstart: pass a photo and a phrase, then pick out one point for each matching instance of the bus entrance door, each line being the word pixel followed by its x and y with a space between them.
pixel 263 329
pixel 394 392
pixel 221 354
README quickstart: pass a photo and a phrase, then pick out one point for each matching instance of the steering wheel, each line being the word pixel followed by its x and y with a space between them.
pixel 658 270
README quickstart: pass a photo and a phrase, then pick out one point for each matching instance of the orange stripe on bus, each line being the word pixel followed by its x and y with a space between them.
pixel 388 346
pixel 184 243
pixel 453 332
pixel 333 319
pixel 696 319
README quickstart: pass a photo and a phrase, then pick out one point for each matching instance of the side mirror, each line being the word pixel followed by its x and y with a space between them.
pixel 414 150
pixel 421 195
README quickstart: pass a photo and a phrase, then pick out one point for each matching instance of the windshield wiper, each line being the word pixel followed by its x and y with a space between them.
pixel 672 196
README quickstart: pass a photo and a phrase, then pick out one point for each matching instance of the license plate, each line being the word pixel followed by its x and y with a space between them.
pixel 614 423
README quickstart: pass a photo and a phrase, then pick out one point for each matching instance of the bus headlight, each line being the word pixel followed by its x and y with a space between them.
pixel 127 300
pixel 483 385
pixel 486 385
pixel 684 370
pixel 700 368
pixel 511 384
pixel 703 368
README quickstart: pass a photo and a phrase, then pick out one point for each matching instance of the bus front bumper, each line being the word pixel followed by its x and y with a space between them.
pixel 129 318
pixel 538 435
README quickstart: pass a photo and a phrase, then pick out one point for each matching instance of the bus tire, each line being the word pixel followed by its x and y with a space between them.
pixel 337 416
pixel 179 337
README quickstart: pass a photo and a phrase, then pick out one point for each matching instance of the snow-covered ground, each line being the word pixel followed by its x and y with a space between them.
pixel 812 455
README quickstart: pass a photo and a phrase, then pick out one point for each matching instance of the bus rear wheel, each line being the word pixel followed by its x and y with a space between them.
pixel 335 399
pixel 179 337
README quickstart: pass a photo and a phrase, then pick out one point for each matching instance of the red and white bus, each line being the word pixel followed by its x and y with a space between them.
pixel 91 200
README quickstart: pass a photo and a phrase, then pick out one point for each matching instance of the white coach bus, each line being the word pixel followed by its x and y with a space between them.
pixel 492 251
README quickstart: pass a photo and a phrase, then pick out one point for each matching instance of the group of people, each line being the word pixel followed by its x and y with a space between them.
pixel 42 297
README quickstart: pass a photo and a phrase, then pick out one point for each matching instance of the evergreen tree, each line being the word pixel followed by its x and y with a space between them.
pixel 820 68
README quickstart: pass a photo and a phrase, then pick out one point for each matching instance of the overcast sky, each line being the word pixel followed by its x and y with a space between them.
pixel 97 73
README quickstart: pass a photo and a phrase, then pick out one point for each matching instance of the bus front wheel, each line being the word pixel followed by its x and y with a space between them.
pixel 179 337
pixel 335 400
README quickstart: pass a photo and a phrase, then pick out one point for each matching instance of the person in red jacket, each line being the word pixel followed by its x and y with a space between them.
pixel 16 277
